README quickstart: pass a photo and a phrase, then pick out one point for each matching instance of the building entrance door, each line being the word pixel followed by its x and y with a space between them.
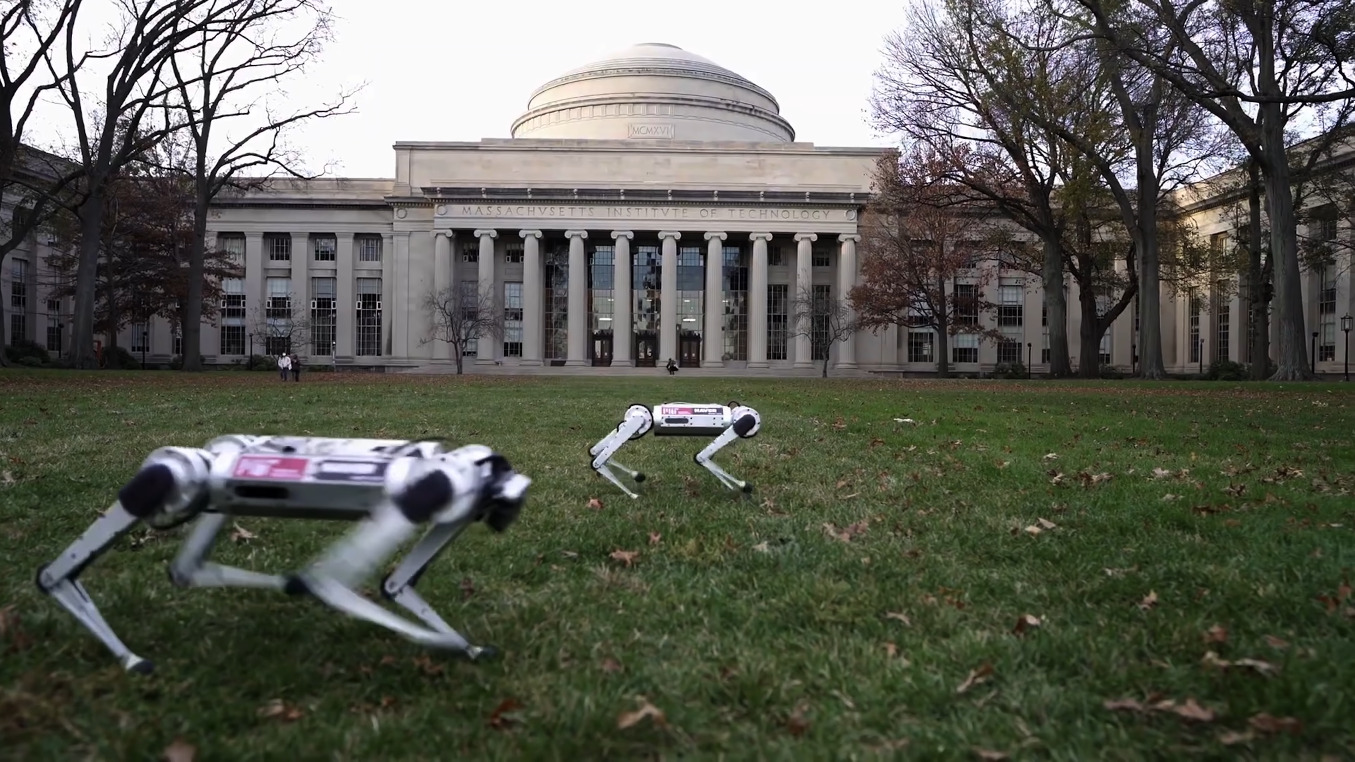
pixel 689 349
pixel 646 349
pixel 602 348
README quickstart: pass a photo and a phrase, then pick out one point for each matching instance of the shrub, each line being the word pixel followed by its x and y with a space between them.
pixel 1009 370
pixel 17 351
pixel 117 358
pixel 1226 370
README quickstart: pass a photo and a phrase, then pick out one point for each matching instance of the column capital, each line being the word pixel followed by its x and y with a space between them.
pixel 525 234
pixel 486 233
pixel 713 236
pixel 576 234
pixel 673 234
pixel 435 234
pixel 806 237
pixel 759 236
pixel 627 234
pixel 845 237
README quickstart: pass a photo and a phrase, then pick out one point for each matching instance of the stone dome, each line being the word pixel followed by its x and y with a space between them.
pixel 653 91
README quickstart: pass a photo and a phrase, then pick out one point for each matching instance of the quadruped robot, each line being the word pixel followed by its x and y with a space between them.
pixel 391 488
pixel 679 419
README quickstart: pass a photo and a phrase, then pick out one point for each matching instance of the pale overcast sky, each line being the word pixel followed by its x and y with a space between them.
pixel 440 70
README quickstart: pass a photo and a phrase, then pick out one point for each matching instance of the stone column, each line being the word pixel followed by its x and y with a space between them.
pixel 712 338
pixel 757 302
pixel 254 267
pixel 800 304
pixel 301 258
pixel 484 286
pixel 576 350
pixel 387 294
pixel 533 298
pixel 668 298
pixel 846 279
pixel 400 308
pixel 345 302
pixel 623 332
pixel 442 280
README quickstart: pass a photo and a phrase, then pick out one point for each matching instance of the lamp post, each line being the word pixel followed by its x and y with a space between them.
pixel 1312 353
pixel 1200 353
pixel 1028 356
pixel 1345 328
pixel 145 337
pixel 334 354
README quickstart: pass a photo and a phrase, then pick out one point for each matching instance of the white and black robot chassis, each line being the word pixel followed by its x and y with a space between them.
pixel 679 419
pixel 391 488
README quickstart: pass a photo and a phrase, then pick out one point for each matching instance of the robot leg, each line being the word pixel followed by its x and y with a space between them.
pixel 635 424
pixel 171 480
pixel 192 569
pixel 746 425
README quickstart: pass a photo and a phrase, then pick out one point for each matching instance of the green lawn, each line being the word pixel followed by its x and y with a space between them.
pixel 1046 570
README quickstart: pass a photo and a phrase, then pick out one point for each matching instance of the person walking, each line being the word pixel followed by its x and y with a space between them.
pixel 295 365
pixel 284 365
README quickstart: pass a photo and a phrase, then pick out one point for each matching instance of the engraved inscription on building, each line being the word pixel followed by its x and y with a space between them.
pixel 658 213
pixel 651 131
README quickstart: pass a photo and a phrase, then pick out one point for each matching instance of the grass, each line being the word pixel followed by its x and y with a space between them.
pixel 879 568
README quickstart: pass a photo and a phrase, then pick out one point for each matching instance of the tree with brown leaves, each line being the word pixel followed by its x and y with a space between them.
pixel 916 247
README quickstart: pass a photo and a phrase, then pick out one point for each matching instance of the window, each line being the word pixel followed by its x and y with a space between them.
pixel 690 295
pixel 778 320
pixel 1222 319
pixel 512 319
pixel 18 301
pixel 323 247
pixel 966 304
pixel 556 295
pixel 775 257
pixel 278 303
pixel 820 257
pixel 232 316
pixel 55 328
pixel 1008 351
pixel 822 304
pixel 1010 320
pixel 965 348
pixel 1103 352
pixel 1193 338
pixel 470 305
pixel 140 337
pixel 176 341
pixel 513 253
pixel 368 337
pixel 921 346
pixel 278 246
pixel 369 248
pixel 602 302
pixel 234 246
pixel 1326 313
pixel 470 251
pixel 324 316
pixel 734 282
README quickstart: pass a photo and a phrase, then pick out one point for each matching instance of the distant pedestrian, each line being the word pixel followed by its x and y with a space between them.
pixel 672 367
pixel 295 365
pixel 284 365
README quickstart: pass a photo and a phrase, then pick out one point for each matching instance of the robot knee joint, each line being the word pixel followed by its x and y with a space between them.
pixel 425 497
pixel 747 422
pixel 148 491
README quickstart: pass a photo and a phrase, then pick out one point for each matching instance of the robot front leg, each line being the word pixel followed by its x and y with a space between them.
pixel 637 422
pixel 398 586
pixel 746 425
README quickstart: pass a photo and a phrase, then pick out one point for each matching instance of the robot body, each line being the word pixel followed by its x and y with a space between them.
pixel 389 488
pixel 678 419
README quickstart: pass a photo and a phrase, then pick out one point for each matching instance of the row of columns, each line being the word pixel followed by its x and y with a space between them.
pixel 533 325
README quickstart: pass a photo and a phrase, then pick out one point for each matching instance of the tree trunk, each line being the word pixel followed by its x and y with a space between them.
pixel 1057 308
pixel 942 329
pixel 825 365
pixel 1149 341
pixel 1291 361
pixel 82 321
pixel 1258 288
pixel 192 309
pixel 1089 338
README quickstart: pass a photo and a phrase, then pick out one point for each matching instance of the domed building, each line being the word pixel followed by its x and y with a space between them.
pixel 646 206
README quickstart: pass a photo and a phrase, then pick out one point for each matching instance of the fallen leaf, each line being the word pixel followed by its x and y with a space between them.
pixel 762 547
pixel 976 677
pixel 1051 456
pixel 6 479
pixel 180 751
pixel 467 588
pixel 798 723
pixel 279 709
pixel 240 534
pixel 1216 634
pixel 846 533
pixel 505 714
pixel 992 756
pixel 1026 622
pixel 1047 524
pixel 1149 600
pixel 624 556
pixel 908 421
pixel 630 719
pixel 1033 530
pixel 902 617
pixel 594 503
pixel 655 538
pixel 1161 473
pixel 1232 737
pixel 1189 710
pixel 1267 723
pixel 1276 643
pixel 427 666
pixel 611 666
pixel 1124 705
pixel 891 650
pixel 841 483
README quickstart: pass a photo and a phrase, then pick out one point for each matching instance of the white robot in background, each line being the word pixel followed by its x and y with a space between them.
pixel 679 419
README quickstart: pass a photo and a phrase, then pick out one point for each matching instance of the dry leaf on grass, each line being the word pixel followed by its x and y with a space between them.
pixel 240 534
pixel 1124 705
pixel 1268 723
pixel 846 534
pixel 762 547
pixel 278 709
pixel 594 503
pixel 1033 530
pixel 1189 710
pixel 1149 600
pixel 1025 623
pixel 1276 643
pixel 626 557
pixel 180 751
pixel 1047 524
pixel 505 714
pixel 992 756
pixel 798 723
pixel 891 650
pixel 1232 738
pixel 1263 668
pixel 655 538
pixel 1216 634
pixel 1161 473
pixel 976 677
pixel 467 588
pixel 611 666
pixel 902 617
pixel 630 719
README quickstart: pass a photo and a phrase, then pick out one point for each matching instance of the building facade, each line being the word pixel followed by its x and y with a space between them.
pixel 648 206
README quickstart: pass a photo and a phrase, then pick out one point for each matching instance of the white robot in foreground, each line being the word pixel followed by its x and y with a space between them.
pixel 679 419
pixel 391 488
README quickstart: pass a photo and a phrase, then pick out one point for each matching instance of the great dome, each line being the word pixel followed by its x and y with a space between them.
pixel 653 91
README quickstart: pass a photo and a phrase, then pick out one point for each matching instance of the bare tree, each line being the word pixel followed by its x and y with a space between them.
pixel 824 319
pixel 33 184
pixel 112 124
pixel 233 73
pixel 462 315
pixel 281 325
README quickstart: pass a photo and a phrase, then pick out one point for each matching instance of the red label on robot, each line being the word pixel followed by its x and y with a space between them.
pixel 271 467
